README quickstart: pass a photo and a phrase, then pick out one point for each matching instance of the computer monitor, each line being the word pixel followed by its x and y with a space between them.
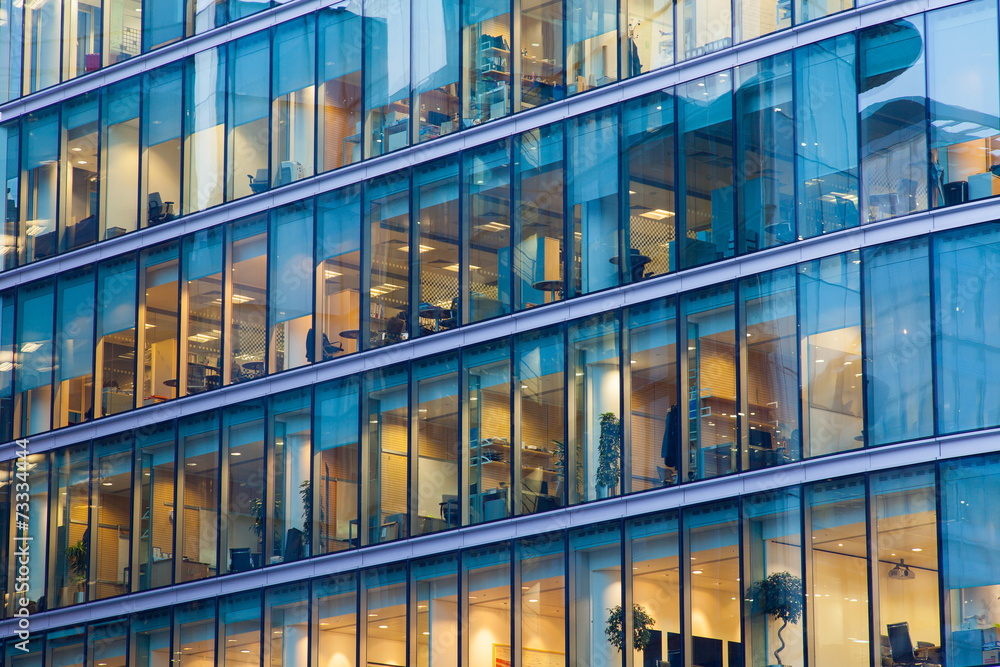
pixel 761 439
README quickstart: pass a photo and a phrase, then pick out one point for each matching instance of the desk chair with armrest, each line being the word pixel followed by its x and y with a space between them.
pixel 159 210
pixel 901 647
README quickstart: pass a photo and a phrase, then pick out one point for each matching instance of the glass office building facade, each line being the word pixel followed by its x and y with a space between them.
pixel 468 333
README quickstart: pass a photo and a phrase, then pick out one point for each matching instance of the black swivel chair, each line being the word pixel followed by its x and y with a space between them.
pixel 293 545
pixel 159 210
pixel 900 644
pixel 239 560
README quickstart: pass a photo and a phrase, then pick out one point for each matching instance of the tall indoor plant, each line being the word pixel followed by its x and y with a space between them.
pixel 778 596
pixel 608 459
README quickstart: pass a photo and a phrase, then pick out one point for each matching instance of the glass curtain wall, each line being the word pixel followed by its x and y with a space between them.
pixel 150 638
pixel 487 49
pixel 595 589
pixel 247 132
pixel 542 564
pixel 245 302
pixel 487 218
pixel 204 129
pixel 239 631
pixel 385 464
pixel 486 615
pixel 79 175
pixel 111 534
pixel 32 598
pixel 162 116
pixel 544 465
pixel 119 212
pixel 436 71
pixel 387 221
pixel 487 381
pixel 286 610
pixel 338 275
pixel 122 30
pixel 436 264
pixel 155 471
pixel 539 236
pixel 66 647
pixel 753 21
pixel 69 527
pixel 42 45
pixel 293 101
pixel 386 76
pixel 336 465
pixel 243 538
pixel 290 287
pixel 591 44
pixel 158 319
pixel 201 323
pixel 438 436
pixel 194 628
pixel 108 643
pixel 653 585
pixel 39 184
pixel 290 442
pixel 198 522
pixel 340 36
pixel 11 38
pixel 73 381
pixel 33 375
pixel 541 71
pixel 703 26
pixel 335 599
pixel 384 602
pixel 434 591
pixel 10 180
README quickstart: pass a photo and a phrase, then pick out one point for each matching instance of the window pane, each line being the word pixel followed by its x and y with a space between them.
pixel 119 206
pixel 487 619
pixel 123 25
pixel 158 283
pixel 826 159
pixel 810 10
pixel 80 174
pixel 287 607
pixel 656 580
pixel 906 566
pixel 336 599
pixel 116 294
pixel 971 574
pixel 648 155
pixel 705 131
pixel 765 183
pixel 108 643
pixel 435 203
pixel 150 638
pixel 8 306
pixel 247 297
pixel 595 578
pixel 162 115
pixel 435 67
pixel 39 184
pixel 754 21
pixel 897 322
pixel 290 299
pixel 962 87
pixel 387 75
pixel 710 367
pixel 239 629
pixel 592 181
pixel 336 464
pixel 154 450
pixel 486 60
pixel 385 495
pixel 246 510
pixel 387 213
pixel 340 38
pixel 891 93
pixel 654 440
pixel 830 329
pixel 538 197
pixel 770 388
pixel 772 524
pixel 434 584
pixel 438 442
pixel 111 489
pixel 201 340
pixel 542 71
pixel 237 9
pixel 650 36
pixel 338 274
pixel 248 94
pixel 704 27
pixel 837 552
pixel 195 627
pixel 10 180
pixel 42 25
pixel 712 606
pixel 163 22
pixel 198 447
pixel 74 379
pixel 69 541
pixel 543 598
pixel 385 608
pixel 291 450
pixel 66 647
pixel 293 101
pixel 545 459
pixel 33 532
pixel 966 351
pixel 591 43
pixel 487 377
pixel 204 129
pixel 10 37
pixel 33 375
pixel 595 356
pixel 487 221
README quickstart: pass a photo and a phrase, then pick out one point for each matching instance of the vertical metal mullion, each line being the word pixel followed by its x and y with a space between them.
pixel 802 396
pixel 95 411
pixel 131 586
pixel 183 312
pixel 315 482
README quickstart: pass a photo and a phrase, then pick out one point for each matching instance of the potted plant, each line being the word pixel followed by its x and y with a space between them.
pixel 778 596
pixel 77 557
pixel 608 460
pixel 642 624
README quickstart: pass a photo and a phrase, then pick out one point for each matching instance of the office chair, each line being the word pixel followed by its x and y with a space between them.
pixel 159 210
pixel 239 559
pixel 900 645
pixel 258 183
pixel 293 545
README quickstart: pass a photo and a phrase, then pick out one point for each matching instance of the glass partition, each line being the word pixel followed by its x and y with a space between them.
pixel 486 621
pixel 655 412
pixel 33 375
pixel 111 499
pixel 487 381
pixel 201 323
pixel 69 525
pixel 290 441
pixel 194 625
pixel 79 173
pixel 592 45
pixel 387 219
pixel 595 590
pixel 338 274
pixel 542 562
pixel 240 617
pixel 541 70
pixel 162 119
pixel 158 319
pixel 39 184
pixel 486 60
pixel 336 465
pixel 198 521
pixel 837 573
pixel 384 603
pixel 434 587
pixel 290 295
pixel 336 600
pixel 436 265
pixel 119 156
pixel 435 35
pixel 437 430
pixel 293 101
pixel 826 159
pixel 769 378
pixel 543 464
pixel 650 208
pixel 243 488
pixel 830 346
pixel 153 558
pixel 73 379
pixel 487 218
pixel 539 265
pixel 247 96
pixel 246 299
pixel 963 90
pixel 592 184
pixel 287 610
pixel 385 463
pixel 708 432
pixel 386 76
pixel 204 129
pixel 340 36
pixel 652 544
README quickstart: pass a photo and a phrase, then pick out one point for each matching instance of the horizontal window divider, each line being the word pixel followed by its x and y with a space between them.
pixel 843 464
